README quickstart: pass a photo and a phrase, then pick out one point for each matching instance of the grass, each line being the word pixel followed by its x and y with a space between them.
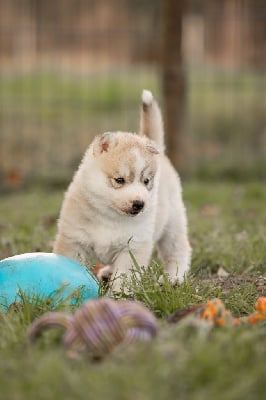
pixel 69 102
pixel 227 230
pixel 225 118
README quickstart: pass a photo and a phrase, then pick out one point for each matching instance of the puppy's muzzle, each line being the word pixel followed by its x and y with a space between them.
pixel 137 206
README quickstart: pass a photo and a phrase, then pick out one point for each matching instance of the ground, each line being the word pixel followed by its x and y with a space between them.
pixel 227 224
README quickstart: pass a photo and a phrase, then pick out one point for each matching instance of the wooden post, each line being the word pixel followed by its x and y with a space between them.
pixel 173 81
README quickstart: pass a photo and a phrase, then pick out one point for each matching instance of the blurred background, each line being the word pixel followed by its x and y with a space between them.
pixel 72 69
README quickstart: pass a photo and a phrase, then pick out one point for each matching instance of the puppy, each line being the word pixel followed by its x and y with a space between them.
pixel 126 194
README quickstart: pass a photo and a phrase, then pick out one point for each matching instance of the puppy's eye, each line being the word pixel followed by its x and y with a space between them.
pixel 120 181
pixel 146 181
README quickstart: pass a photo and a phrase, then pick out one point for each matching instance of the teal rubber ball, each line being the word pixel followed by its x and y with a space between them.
pixel 44 275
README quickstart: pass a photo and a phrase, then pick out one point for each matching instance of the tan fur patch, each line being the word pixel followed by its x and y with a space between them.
pixel 121 160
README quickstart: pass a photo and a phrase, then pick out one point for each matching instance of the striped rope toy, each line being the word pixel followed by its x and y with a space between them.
pixel 99 325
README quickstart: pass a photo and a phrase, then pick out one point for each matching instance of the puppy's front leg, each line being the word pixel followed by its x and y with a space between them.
pixel 123 263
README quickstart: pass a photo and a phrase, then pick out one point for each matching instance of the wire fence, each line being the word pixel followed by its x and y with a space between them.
pixel 71 70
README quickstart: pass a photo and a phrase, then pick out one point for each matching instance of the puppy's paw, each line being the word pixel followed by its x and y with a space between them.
pixel 173 280
pixel 104 273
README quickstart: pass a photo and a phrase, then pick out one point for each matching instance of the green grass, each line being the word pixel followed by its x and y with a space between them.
pixel 226 120
pixel 54 98
pixel 227 229
pixel 56 114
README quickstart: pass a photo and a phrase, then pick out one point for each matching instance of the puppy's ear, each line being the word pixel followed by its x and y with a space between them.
pixel 152 148
pixel 103 143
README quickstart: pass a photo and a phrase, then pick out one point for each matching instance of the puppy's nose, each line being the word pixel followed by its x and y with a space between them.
pixel 137 205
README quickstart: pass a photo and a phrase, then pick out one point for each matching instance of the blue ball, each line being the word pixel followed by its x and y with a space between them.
pixel 44 275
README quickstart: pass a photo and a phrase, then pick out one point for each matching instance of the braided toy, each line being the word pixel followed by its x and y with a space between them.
pixel 99 325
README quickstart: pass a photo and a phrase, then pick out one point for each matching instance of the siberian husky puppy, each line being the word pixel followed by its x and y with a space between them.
pixel 126 195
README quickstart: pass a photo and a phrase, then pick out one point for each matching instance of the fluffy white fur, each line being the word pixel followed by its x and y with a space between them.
pixel 147 97
pixel 126 194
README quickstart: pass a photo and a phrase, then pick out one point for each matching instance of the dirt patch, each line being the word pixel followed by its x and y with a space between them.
pixel 233 282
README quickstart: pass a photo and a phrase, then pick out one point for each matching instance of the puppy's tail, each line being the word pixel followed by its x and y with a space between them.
pixel 151 123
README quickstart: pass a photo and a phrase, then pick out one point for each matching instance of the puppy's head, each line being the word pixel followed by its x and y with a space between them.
pixel 127 166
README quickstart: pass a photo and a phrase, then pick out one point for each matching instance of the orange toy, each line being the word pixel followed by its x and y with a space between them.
pixel 215 312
